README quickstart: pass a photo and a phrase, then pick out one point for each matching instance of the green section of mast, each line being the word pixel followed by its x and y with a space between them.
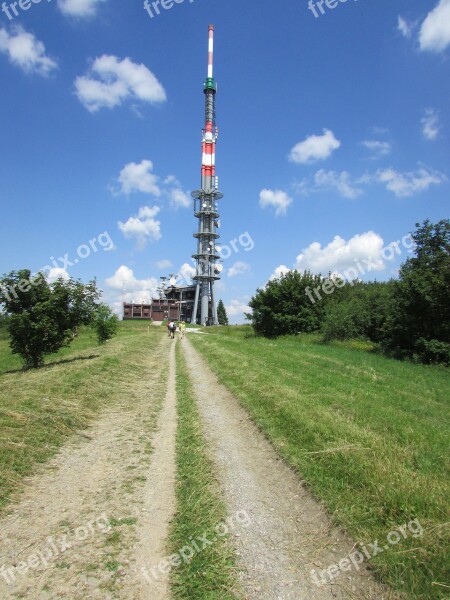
pixel 210 84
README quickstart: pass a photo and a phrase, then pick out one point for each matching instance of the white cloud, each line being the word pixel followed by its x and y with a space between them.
pixel 111 81
pixel 136 177
pixel 239 268
pixel 185 274
pixel 404 27
pixel 341 254
pixel 276 199
pixel 164 264
pixel 235 311
pixel 78 8
pixel 435 31
pixel 144 227
pixel 57 273
pixel 408 184
pixel 124 287
pixel 430 124
pixel 340 181
pixel 26 52
pixel 139 177
pixel 124 278
pixel 179 199
pixel 377 147
pixel 279 271
pixel 314 148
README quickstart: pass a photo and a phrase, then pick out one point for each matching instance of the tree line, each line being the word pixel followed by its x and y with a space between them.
pixel 408 317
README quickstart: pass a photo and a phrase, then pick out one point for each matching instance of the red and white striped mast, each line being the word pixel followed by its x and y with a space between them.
pixel 205 206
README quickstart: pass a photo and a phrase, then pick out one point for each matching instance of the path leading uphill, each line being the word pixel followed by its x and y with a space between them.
pixel 94 521
pixel 290 534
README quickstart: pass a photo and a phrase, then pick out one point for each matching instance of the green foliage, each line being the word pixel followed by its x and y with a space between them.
pixel 4 319
pixel 408 318
pixel 358 310
pixel 44 317
pixel 419 324
pixel 283 307
pixel 345 320
pixel 222 313
pixel 105 323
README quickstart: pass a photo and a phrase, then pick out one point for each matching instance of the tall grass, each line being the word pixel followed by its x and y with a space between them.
pixel 369 435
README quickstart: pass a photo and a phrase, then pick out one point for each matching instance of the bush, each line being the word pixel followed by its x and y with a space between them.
pixel 283 307
pixel 433 351
pixel 345 320
pixel 105 324
pixel 359 310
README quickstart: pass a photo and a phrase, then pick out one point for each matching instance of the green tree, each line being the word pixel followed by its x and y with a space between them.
pixel 105 323
pixel 420 320
pixel 222 313
pixel 44 317
pixel 287 306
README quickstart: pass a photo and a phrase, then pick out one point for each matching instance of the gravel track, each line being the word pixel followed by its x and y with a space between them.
pixel 290 532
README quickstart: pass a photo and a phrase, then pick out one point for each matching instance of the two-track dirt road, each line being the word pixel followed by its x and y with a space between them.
pixel 94 521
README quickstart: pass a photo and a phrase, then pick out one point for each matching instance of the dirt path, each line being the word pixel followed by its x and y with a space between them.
pixel 159 498
pixel 93 523
pixel 290 534
pixel 86 524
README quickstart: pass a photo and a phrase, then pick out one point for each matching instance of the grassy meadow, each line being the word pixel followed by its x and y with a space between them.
pixel 368 435
pixel 40 409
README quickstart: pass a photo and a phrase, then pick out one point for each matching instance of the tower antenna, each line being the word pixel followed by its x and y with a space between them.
pixel 205 206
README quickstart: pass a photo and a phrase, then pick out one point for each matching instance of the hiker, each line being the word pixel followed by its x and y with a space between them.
pixel 169 333
pixel 182 328
pixel 173 328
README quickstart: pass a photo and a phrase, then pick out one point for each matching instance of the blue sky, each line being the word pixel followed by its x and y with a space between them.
pixel 334 137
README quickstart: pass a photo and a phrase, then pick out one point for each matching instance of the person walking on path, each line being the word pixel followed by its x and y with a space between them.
pixel 173 328
pixel 182 328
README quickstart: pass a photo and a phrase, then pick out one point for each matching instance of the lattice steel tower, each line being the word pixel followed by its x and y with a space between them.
pixel 206 208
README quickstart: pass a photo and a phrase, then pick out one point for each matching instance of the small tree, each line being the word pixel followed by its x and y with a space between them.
pixel 105 323
pixel 222 313
pixel 44 317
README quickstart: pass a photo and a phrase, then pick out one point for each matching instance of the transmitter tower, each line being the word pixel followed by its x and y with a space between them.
pixel 206 208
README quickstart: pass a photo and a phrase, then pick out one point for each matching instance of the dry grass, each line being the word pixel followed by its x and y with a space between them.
pixel 40 409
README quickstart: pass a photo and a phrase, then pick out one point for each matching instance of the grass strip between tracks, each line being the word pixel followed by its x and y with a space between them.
pixel 199 539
